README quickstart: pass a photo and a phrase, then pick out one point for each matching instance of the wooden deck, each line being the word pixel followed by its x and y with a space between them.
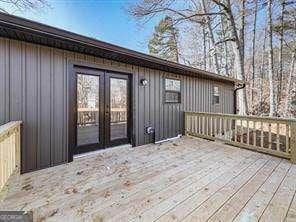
pixel 185 180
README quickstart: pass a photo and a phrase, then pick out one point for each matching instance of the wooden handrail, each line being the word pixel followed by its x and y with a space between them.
pixel 10 152
pixel 235 116
pixel 276 136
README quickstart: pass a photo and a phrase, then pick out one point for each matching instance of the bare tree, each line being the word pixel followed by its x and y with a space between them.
pixel 211 36
pixel 204 46
pixel 228 40
pixel 270 59
pixel 145 10
pixel 253 49
pixel 224 26
pixel 12 6
pixel 289 84
pixel 261 72
pixel 280 66
pixel 238 50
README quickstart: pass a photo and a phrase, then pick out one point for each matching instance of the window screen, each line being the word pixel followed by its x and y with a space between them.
pixel 216 95
pixel 172 91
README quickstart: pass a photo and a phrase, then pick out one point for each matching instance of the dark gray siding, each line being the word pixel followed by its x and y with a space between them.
pixel 34 89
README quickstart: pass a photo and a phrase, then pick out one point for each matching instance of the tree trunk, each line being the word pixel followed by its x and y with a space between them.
pixel 280 68
pixel 289 84
pixel 225 49
pixel 270 59
pixel 211 37
pixel 261 72
pixel 204 47
pixel 242 29
pixel 253 52
pixel 238 58
pixel 177 54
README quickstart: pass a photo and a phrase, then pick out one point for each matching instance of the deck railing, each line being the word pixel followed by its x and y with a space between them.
pixel 9 150
pixel 276 136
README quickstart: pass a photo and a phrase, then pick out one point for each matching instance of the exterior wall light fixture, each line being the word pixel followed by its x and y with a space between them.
pixel 144 82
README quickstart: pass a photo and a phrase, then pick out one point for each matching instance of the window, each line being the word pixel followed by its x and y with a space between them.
pixel 216 95
pixel 172 91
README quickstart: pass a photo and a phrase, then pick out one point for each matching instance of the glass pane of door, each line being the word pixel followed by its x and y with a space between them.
pixel 118 108
pixel 87 109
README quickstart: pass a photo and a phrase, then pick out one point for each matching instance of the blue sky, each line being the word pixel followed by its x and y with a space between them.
pixel 106 20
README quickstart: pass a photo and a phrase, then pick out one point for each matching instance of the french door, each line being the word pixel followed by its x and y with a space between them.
pixel 102 109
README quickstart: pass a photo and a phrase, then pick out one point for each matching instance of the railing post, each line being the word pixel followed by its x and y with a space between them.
pixel 18 148
pixel 293 142
pixel 185 118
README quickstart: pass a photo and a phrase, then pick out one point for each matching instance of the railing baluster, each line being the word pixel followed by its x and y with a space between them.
pixel 230 128
pixel 224 126
pixel 211 126
pixel 287 138
pixel 235 130
pixel 269 136
pixel 189 124
pixel 278 136
pixel 293 141
pixel 254 133
pixel 199 121
pixel 196 124
pixel 215 126
pixel 186 123
pixel 248 133
pixel 238 130
pixel 207 125
pixel 239 123
pixel 220 126
pixel 193 122
pixel 261 132
pixel 202 125
pixel 242 131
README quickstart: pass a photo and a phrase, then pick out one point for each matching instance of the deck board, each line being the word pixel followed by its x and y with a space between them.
pixel 240 173
pixel 256 205
pixel 279 205
pixel 165 188
pixel 188 179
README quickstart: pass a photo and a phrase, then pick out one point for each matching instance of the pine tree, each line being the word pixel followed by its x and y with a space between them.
pixel 164 42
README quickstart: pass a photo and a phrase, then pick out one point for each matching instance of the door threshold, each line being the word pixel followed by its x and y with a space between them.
pixel 76 156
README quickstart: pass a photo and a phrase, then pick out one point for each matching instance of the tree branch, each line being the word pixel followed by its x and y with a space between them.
pixel 225 40
pixel 225 8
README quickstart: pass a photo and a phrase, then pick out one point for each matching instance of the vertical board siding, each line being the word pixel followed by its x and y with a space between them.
pixel 141 108
pixel 58 106
pixel 34 89
pixel 30 124
pixel 15 80
pixel 45 108
pixel 3 83
pixel 146 109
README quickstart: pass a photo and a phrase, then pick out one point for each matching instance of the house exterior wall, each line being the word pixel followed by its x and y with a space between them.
pixel 34 89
